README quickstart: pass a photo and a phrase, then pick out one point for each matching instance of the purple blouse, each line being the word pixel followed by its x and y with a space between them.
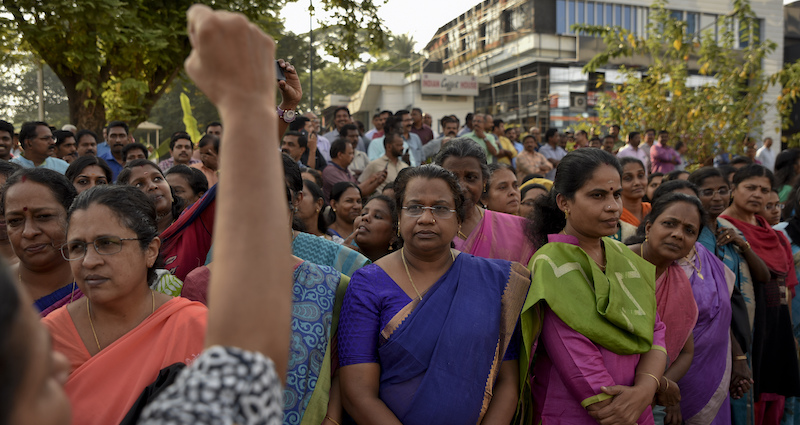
pixel 372 299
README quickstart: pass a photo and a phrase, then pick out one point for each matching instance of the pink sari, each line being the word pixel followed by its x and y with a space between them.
pixel 499 236
pixel 677 308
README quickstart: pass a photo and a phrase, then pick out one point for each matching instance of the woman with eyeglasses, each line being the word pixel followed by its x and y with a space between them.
pixel 774 354
pixel 35 203
pixel 426 333
pixel 122 328
pixel 772 208
pixel 720 237
pixel 482 232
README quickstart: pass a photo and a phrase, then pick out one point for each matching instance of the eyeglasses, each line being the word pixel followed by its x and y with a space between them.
pixel 529 203
pixel 438 211
pixel 770 207
pixel 104 245
pixel 707 193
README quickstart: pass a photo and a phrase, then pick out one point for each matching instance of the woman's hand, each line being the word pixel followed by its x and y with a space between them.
pixel 626 406
pixel 741 379
pixel 726 235
pixel 671 395
pixel 674 416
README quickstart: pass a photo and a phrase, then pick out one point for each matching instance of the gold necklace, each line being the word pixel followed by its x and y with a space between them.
pixel 460 233
pixel 89 313
pixel 405 264
pixel 691 263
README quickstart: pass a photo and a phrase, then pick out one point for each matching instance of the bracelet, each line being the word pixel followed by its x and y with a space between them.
pixel 667 381
pixel 331 419
pixel 746 247
pixel 742 357
pixel 658 383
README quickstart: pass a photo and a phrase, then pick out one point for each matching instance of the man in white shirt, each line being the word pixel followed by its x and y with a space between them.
pixel 632 149
pixel 765 156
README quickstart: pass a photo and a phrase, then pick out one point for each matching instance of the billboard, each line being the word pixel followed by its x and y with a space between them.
pixel 454 85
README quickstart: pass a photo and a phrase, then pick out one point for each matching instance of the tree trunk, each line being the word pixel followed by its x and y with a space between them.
pixel 86 108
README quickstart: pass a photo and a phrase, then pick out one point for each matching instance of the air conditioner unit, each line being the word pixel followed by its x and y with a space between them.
pixel 577 102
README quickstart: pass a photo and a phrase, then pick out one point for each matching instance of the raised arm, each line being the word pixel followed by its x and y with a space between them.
pixel 232 62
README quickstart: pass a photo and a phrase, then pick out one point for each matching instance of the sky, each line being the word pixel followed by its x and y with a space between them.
pixel 418 18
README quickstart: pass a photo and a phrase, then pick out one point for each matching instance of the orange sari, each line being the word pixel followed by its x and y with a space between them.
pixel 103 388
pixel 629 218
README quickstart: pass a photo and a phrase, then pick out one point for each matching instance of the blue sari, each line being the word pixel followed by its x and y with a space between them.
pixel 327 253
pixel 313 298
pixel 440 356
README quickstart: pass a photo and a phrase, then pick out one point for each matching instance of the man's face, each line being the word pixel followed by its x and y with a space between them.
pixel 500 129
pixel 663 138
pixel 608 144
pixel 636 140
pixel 43 145
pixel 407 122
pixel 581 140
pixel 767 142
pixel 416 117
pixel 87 145
pixel 290 147
pixel 451 129
pixel 313 122
pixel 649 137
pixel 352 137
pixel 488 123
pixel 209 156
pixel 537 134
pixel 6 144
pixel 614 131
pixel 427 119
pixel 215 130
pixel 182 151
pixel 377 122
pixel 346 157
pixel 477 124
pixel 341 119
pixel 117 139
pixel 67 150
pixel 397 146
pixel 134 154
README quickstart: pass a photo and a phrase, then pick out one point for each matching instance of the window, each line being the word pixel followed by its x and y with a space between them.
pixel 749 32
pixel 581 17
pixel 561 16
pixel 691 24
pixel 609 15
pixel 677 15
pixel 590 13
pixel 617 15
pixel 626 18
pixel 570 15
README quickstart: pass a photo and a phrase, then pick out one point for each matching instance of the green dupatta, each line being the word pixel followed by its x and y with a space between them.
pixel 615 310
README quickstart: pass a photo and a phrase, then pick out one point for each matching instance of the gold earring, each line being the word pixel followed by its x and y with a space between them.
pixel 334 210
pixel 566 214
pixel 434 221
pixel 645 237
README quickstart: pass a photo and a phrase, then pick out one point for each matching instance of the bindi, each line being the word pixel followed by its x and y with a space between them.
pixel 24 208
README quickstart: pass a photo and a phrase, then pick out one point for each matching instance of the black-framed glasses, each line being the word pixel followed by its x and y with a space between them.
pixel 104 245
pixel 438 211
pixel 707 193
pixel 770 207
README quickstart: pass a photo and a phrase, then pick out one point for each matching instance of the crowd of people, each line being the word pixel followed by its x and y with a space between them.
pixel 389 276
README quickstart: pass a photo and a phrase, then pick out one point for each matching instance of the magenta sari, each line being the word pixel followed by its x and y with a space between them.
pixel 499 236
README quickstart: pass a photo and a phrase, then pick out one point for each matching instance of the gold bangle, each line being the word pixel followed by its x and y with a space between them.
pixel 746 247
pixel 667 381
pixel 658 383
pixel 742 357
pixel 331 419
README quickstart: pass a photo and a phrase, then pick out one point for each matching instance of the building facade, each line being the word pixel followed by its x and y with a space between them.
pixel 533 60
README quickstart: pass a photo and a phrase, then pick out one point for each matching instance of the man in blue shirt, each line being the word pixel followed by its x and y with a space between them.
pixel 117 133
pixel 36 139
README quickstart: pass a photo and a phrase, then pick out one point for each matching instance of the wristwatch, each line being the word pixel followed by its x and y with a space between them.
pixel 287 116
